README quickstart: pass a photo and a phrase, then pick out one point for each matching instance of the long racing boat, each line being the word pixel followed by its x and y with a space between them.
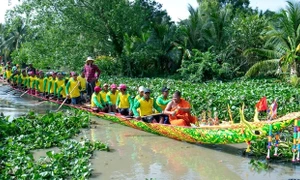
pixel 216 134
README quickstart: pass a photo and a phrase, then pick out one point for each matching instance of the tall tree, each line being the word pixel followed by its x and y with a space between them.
pixel 284 39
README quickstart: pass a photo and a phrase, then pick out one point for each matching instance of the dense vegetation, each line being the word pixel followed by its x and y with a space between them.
pixel 219 40
pixel 20 137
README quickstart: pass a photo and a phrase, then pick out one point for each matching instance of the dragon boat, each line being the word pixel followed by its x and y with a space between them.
pixel 228 133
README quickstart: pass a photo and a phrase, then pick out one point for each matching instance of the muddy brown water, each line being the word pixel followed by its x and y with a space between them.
pixel 139 155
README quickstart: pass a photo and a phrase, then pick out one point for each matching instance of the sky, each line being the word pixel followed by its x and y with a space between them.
pixel 177 9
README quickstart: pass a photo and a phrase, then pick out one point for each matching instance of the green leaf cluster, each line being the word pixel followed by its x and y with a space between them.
pixel 22 135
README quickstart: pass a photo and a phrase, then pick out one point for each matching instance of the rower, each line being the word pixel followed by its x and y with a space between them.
pixel 59 87
pixel 162 102
pixel 46 84
pixel 39 83
pixel 145 106
pixel 96 100
pixel 73 89
pixel 51 82
pixel 30 82
pixel 111 98
pixel 124 101
pixel 7 73
pixel 15 78
pixel 22 80
pixel 140 95
pixel 83 82
pixel 103 93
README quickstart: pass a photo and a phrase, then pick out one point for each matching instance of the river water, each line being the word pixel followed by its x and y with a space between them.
pixel 139 155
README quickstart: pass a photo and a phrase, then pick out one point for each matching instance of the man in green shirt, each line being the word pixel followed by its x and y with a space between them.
pixel 162 102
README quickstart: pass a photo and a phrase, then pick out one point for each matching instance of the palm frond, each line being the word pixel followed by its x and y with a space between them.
pixel 263 52
pixel 263 68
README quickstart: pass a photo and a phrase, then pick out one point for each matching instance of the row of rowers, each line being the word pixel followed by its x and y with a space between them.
pixel 175 111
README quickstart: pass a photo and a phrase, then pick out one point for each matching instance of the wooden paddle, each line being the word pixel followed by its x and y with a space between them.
pixel 24 93
pixel 66 98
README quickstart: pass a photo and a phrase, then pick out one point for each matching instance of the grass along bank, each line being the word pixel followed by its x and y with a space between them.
pixel 20 137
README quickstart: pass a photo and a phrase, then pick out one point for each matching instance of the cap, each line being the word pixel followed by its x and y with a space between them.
pixel 122 86
pixel 146 90
pixel 105 85
pixel 113 86
pixel 141 88
pixel 165 89
pixel 97 89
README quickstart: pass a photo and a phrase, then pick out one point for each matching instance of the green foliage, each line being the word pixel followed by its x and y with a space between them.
pixel 267 68
pixel 295 81
pixel 201 66
pixel 259 147
pixel 27 133
pixel 108 65
pixel 258 165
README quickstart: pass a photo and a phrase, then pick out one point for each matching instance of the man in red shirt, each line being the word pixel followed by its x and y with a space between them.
pixel 92 73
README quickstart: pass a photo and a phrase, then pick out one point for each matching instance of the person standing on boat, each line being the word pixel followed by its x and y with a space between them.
pixel 179 111
pixel 92 73
pixel 146 105
pixel 96 100
pixel 31 68
pixel 111 98
pixel 73 89
pixel 124 101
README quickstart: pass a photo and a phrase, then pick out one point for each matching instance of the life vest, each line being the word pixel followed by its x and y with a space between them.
pixel 23 78
pixel 74 88
pixel 103 95
pixel 31 81
pixel 113 97
pixel 51 82
pixel 82 82
pixel 146 106
pixel 98 96
pixel 8 74
pixel 40 82
pixel 124 101
pixel 60 84
pixel 45 80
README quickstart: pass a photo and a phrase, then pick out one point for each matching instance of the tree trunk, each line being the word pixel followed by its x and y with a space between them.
pixel 295 68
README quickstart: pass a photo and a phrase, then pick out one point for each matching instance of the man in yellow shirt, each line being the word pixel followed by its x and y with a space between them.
pixel 111 98
pixel 103 93
pixel 146 105
pixel 59 87
pixel 83 83
pixel 96 100
pixel 73 89
pixel 124 102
